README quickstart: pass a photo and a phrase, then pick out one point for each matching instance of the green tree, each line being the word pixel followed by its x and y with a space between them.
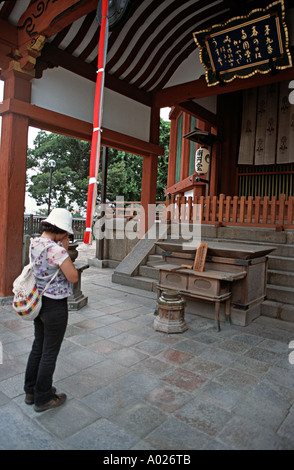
pixel 71 174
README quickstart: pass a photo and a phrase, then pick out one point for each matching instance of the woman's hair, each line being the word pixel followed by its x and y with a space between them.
pixel 46 227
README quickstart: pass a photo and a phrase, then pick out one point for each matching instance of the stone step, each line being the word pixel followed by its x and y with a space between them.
pixel 154 258
pixel 280 278
pixel 278 310
pixel 149 271
pixel 281 263
pixel 276 293
pixel 248 234
pixel 139 282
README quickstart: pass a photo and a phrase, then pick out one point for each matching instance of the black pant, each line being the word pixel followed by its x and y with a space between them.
pixel 50 326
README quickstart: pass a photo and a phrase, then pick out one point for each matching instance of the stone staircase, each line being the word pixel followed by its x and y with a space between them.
pixel 279 302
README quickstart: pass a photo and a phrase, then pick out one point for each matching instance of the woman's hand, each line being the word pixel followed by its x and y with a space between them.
pixel 65 241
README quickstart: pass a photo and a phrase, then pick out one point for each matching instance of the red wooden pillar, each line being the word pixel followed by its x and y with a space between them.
pixel 172 152
pixel 13 156
pixel 185 147
pixel 149 176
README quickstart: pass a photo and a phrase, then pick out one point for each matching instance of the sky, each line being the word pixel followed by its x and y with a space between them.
pixel 30 204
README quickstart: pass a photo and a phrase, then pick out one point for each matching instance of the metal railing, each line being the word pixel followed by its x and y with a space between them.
pixel 32 225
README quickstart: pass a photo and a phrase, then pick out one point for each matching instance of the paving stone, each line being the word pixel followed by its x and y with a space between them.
pixel 204 415
pixel 111 399
pixel 236 379
pixel 13 386
pixel 203 367
pixel 101 435
pixel 127 338
pixel 247 339
pixel 140 419
pixel 218 355
pixel 189 346
pixel 287 426
pixel 173 434
pixel 153 366
pixel 277 375
pixel 130 387
pixel 175 357
pixel 251 366
pixel 107 370
pixel 234 346
pixel 68 419
pixel 104 346
pixel 185 379
pixel 80 384
pixel 222 395
pixel 127 357
pixel 264 355
pixel 84 358
pixel 257 410
pixel 31 437
pixel 150 347
pixel 167 398
pixel 241 433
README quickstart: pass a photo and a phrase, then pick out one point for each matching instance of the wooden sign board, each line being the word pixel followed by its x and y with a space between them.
pixel 200 257
pixel 245 45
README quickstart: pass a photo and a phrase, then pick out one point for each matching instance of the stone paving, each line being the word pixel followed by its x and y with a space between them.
pixel 132 388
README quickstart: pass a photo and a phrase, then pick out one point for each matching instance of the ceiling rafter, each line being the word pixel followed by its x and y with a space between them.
pixel 143 53
pixel 189 28
pixel 176 19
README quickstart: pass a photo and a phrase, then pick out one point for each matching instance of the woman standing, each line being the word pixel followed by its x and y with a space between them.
pixel 50 325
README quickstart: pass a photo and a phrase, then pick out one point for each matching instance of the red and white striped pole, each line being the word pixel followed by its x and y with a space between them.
pixel 97 123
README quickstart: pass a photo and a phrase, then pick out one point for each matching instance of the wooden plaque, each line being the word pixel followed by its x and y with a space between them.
pixel 200 257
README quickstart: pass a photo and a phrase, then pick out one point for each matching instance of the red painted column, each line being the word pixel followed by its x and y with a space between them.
pixel 185 147
pixel 149 176
pixel 13 157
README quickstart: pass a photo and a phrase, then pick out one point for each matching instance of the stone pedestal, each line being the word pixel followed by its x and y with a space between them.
pixel 170 313
pixel 78 300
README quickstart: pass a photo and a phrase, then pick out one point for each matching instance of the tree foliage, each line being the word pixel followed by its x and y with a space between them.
pixel 71 174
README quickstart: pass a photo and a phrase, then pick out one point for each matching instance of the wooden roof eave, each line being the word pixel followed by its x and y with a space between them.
pixel 52 19
pixel 174 95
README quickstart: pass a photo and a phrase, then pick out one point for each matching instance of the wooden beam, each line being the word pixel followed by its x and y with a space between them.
pixel 199 89
pixel 116 140
pixel 8 43
pixel 8 34
pixel 48 18
pixel 66 125
pixel 48 120
pixel 199 112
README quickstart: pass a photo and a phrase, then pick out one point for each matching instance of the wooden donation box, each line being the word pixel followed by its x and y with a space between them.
pixel 230 284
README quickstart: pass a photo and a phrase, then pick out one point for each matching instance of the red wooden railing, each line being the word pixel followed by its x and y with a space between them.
pixel 213 210
pixel 227 210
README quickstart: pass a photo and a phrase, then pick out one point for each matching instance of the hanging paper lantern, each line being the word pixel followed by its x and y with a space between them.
pixel 202 160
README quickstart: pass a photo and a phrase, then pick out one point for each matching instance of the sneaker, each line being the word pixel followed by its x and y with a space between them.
pixel 56 401
pixel 30 399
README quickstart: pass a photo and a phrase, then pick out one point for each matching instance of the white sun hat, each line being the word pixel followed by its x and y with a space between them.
pixel 61 218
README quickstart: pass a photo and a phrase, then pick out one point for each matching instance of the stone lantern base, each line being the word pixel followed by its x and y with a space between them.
pixel 170 313
pixel 77 300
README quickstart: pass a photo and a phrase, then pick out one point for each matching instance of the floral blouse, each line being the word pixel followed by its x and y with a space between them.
pixel 45 267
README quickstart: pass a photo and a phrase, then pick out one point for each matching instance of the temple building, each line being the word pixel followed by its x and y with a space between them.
pixel 226 71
